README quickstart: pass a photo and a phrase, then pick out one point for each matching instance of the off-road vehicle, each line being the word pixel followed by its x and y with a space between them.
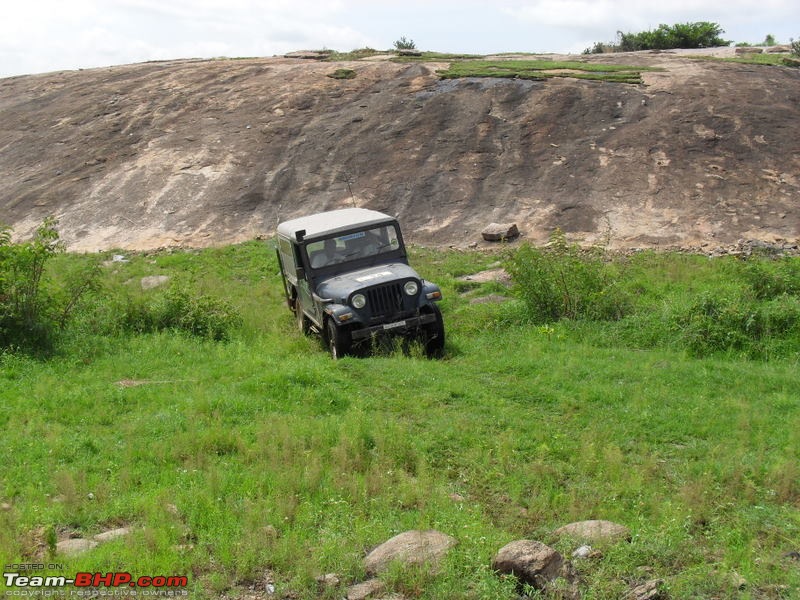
pixel 346 277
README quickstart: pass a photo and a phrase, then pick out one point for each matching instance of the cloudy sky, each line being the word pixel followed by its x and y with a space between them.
pixel 48 35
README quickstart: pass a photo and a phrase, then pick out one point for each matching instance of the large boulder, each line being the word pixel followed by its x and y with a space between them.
pixel 410 547
pixel 499 232
pixel 533 563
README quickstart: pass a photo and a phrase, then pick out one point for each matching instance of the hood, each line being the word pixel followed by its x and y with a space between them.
pixel 339 287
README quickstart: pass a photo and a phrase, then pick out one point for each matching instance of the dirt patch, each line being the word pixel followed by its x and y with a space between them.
pixel 197 153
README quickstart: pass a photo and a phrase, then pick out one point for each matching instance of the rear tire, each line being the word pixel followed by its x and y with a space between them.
pixel 338 339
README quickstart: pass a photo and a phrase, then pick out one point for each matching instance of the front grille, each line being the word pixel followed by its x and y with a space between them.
pixel 385 300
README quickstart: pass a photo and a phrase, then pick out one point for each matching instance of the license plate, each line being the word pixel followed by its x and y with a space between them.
pixel 394 325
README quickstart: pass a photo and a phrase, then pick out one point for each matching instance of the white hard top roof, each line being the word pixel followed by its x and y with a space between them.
pixel 332 222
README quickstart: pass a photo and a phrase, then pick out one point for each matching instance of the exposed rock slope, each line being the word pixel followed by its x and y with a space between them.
pixel 207 152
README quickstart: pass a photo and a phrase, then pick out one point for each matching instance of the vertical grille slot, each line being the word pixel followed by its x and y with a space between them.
pixel 386 299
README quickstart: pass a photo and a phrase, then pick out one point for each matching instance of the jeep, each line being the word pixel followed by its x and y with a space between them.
pixel 346 277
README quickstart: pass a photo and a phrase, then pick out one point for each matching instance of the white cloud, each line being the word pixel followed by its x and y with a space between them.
pixel 45 35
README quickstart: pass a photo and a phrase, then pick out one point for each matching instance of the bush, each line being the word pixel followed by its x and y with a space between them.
pixel 404 44
pixel 179 310
pixel 795 44
pixel 700 34
pixel 32 309
pixel 561 281
pixel 770 279
pixel 735 324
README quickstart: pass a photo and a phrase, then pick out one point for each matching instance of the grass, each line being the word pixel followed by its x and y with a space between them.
pixel 473 65
pixel 261 459
pixel 765 58
pixel 543 69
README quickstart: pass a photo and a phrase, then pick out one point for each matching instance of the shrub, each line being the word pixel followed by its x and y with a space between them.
pixel 702 34
pixel 795 44
pixel 404 44
pixel 736 324
pixel 31 311
pixel 179 310
pixel 770 279
pixel 561 281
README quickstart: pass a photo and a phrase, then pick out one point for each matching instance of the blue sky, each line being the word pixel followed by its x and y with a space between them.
pixel 48 35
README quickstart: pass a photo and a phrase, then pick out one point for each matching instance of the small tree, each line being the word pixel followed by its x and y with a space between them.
pixel 795 47
pixel 404 44
pixel 30 310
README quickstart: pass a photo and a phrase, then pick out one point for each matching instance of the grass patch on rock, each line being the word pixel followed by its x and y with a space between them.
pixel 544 69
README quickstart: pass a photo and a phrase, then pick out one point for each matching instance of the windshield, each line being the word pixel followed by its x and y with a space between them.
pixel 353 246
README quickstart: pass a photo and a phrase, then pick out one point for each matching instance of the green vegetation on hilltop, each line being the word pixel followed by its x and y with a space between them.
pixel 701 34
pixel 257 458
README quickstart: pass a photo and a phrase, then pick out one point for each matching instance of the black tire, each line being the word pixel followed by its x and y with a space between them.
pixel 433 335
pixel 303 322
pixel 338 339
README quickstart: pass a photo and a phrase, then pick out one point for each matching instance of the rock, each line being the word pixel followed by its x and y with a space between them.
pixel 738 581
pixel 594 531
pixel 498 275
pixel 649 590
pixel 533 563
pixel 498 232
pixel 5 507
pixel 74 547
pixel 780 49
pixel 153 281
pixel 490 299
pixel 409 52
pixel 112 534
pixel 410 547
pixel 749 50
pixel 365 589
pixel 329 580
pixel 582 552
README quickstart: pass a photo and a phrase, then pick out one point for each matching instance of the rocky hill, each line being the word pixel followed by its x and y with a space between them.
pixel 193 153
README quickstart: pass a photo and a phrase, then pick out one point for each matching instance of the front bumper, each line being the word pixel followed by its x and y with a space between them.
pixel 403 326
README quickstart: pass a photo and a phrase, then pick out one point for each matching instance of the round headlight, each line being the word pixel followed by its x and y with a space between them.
pixel 358 301
pixel 411 288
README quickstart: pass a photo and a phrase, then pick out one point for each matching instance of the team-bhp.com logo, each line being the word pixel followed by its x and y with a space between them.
pixel 19 584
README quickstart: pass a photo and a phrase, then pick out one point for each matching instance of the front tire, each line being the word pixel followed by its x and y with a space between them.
pixel 433 335
pixel 338 339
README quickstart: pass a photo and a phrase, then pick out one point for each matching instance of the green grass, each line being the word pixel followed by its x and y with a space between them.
pixel 769 59
pixel 260 455
pixel 543 69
